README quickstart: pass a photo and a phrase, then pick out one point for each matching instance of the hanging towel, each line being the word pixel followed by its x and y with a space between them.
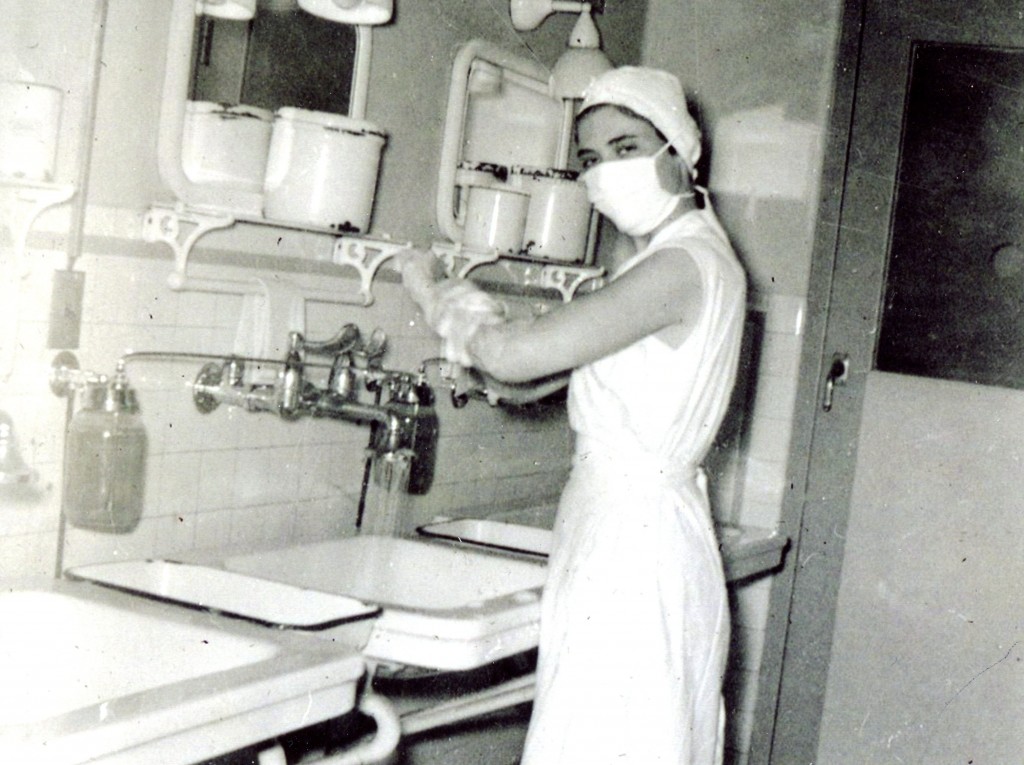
pixel 269 314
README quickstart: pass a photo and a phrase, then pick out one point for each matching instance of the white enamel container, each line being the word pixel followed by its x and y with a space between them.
pixel 226 145
pixel 322 169
pixel 29 129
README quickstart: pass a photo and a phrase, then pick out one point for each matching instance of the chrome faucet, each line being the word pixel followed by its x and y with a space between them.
pixel 402 418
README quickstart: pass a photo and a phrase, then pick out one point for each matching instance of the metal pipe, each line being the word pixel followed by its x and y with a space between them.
pixel 455 119
pixel 179 355
pixel 508 694
pixel 384 741
pixel 361 79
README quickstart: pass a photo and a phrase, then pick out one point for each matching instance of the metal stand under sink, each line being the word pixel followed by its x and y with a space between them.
pixel 428 699
pixel 384 741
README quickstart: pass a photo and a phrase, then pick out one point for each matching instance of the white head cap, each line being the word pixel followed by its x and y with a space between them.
pixel 655 95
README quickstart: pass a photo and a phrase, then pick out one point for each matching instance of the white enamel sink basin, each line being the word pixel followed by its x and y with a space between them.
pixel 444 607
pixel 263 602
pixel 91 675
pixel 746 551
pixel 497 535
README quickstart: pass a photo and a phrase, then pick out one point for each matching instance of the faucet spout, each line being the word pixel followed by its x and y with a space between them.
pixel 402 428
pixel 406 424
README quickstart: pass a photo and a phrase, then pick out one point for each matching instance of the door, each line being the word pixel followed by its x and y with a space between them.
pixel 905 618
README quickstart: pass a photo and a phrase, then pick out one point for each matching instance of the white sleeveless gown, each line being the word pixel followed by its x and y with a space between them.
pixel 635 620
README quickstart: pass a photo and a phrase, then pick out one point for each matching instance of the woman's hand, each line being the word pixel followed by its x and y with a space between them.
pixel 420 270
pixel 454 308
pixel 416 261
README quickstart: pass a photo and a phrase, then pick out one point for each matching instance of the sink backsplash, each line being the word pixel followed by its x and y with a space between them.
pixel 232 478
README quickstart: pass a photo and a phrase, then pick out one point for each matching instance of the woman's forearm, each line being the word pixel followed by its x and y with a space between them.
pixel 526 392
pixel 663 291
pixel 520 350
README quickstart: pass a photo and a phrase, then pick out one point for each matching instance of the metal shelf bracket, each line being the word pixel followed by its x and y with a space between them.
pixel 21 203
pixel 366 256
pixel 459 260
pixel 564 278
pixel 567 279
pixel 181 227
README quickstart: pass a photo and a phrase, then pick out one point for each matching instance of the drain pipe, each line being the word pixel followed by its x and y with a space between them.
pixel 375 750
pixel 390 728
pixel 384 741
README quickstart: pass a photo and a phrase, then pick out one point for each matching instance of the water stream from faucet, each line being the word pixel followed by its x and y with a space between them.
pixel 386 496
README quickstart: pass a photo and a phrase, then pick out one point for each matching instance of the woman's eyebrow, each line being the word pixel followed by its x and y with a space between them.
pixel 613 142
pixel 624 137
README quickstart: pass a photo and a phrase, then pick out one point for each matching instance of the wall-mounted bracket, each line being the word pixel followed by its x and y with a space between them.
pixel 180 228
pixel 459 260
pixel 565 279
pixel 366 256
pixel 21 203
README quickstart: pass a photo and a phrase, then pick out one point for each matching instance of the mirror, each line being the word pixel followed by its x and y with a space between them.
pixel 224 81
pixel 278 58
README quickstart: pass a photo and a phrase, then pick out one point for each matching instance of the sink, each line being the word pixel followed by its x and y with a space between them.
pixel 746 551
pixel 263 602
pixel 95 675
pixel 497 535
pixel 443 606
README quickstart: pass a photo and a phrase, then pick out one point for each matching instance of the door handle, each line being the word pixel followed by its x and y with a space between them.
pixel 838 371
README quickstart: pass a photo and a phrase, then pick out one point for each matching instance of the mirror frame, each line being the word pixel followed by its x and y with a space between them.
pixel 176 88
pixel 455 120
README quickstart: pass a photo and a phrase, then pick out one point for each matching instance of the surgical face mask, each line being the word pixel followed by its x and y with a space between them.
pixel 629 193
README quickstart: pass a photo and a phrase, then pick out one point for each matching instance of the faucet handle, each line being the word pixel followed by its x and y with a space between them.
pixel 375 348
pixel 345 341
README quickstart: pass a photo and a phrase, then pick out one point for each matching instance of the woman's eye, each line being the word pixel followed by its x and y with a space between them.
pixel 587 163
pixel 624 150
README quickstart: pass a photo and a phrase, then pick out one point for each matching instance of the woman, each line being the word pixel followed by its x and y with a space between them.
pixel 634 626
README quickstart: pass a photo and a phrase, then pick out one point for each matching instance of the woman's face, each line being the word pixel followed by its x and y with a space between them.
pixel 605 134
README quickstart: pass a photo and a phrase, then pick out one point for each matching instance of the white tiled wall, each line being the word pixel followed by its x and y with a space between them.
pixel 756 498
pixel 231 478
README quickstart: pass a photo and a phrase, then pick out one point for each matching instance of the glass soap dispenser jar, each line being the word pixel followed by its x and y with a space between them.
pixel 104 477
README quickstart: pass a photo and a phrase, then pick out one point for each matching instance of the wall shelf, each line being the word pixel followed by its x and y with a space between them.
pixel 181 227
pixel 565 278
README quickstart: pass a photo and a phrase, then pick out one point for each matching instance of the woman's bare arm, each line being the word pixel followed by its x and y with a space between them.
pixel 663 292
pixel 470 382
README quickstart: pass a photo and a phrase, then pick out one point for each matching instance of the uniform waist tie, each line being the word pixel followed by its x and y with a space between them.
pixel 639 463
pixel 685 479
